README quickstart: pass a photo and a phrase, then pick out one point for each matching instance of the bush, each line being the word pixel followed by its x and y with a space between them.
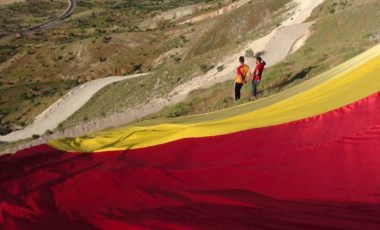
pixel 5 130
pixel 206 68
pixel 24 96
pixel 60 127
pixel 106 39
pixel 48 93
pixel 177 111
pixel 60 57
pixel 136 67
pixel 249 53
pixel 48 132
pixel 220 68
pixel 177 59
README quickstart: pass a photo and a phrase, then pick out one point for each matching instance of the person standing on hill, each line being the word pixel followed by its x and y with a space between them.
pixel 243 73
pixel 260 64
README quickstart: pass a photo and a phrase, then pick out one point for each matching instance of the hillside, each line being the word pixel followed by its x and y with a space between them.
pixel 112 104
pixel 124 96
pixel 333 19
pixel 304 155
pixel 332 42
pixel 95 42
pixel 303 158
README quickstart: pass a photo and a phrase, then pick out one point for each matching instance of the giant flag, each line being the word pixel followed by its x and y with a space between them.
pixel 305 158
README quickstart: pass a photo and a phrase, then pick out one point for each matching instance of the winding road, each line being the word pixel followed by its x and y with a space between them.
pixel 63 108
pixel 69 10
pixel 275 47
pixel 66 14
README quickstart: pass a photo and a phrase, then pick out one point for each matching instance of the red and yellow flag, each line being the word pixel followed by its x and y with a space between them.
pixel 306 157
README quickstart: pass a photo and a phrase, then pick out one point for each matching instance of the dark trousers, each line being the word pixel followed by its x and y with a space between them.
pixel 237 88
pixel 254 87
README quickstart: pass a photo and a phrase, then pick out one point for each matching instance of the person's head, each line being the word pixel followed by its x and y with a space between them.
pixel 258 59
pixel 241 60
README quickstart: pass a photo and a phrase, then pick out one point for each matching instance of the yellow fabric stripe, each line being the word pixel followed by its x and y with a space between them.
pixel 343 85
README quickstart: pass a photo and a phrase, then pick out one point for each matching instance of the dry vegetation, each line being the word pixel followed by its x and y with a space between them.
pixel 102 38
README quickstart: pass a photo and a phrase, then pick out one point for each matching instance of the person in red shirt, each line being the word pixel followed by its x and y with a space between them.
pixel 260 64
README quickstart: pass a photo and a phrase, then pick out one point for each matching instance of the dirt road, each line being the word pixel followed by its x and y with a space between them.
pixel 69 10
pixel 63 108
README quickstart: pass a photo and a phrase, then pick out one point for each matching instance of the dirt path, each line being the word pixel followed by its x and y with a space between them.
pixel 69 10
pixel 63 108
pixel 276 46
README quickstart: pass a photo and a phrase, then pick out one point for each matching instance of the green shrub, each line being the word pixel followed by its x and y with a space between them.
pixel 249 53
pixel 48 132
pixel 177 111
pixel 5 130
pixel 60 127
pixel 206 68
pixel 24 96
pixel 220 68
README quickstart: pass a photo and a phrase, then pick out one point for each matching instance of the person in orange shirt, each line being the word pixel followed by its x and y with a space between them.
pixel 243 73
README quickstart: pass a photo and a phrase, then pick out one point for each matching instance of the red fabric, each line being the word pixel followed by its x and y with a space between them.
pixel 258 71
pixel 320 172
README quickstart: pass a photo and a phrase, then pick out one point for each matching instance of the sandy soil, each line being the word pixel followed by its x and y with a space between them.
pixel 275 46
